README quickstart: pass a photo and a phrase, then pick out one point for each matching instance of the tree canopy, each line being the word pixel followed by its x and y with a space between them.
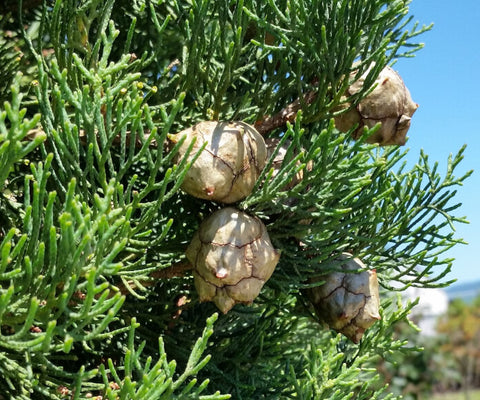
pixel 97 297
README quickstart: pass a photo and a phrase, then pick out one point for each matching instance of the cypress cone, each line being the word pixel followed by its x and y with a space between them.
pixel 232 257
pixel 348 302
pixel 229 165
pixel 389 103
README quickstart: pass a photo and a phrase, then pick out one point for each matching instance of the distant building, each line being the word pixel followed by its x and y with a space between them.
pixel 432 303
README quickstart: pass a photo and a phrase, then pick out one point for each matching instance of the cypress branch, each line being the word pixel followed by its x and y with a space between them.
pixel 94 224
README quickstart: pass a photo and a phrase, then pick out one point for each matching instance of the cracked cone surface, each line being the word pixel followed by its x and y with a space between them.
pixel 232 257
pixel 348 301
pixel 228 167
pixel 389 103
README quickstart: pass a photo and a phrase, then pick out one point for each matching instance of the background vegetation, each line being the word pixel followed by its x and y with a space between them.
pixel 448 367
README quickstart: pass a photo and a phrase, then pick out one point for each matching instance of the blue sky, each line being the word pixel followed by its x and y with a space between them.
pixel 443 80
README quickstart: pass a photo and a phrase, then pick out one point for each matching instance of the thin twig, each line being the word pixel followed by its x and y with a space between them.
pixel 175 270
pixel 287 114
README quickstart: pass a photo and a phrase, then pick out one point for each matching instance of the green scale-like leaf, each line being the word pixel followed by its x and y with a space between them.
pixel 96 296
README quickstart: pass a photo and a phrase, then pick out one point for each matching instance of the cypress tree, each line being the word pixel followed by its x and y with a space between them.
pixel 97 296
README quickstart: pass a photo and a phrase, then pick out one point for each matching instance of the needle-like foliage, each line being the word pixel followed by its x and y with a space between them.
pixel 96 295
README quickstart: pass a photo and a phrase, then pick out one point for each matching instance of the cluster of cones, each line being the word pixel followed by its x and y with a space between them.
pixel 231 252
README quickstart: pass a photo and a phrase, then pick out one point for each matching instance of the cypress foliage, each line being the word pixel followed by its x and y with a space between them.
pixel 96 295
